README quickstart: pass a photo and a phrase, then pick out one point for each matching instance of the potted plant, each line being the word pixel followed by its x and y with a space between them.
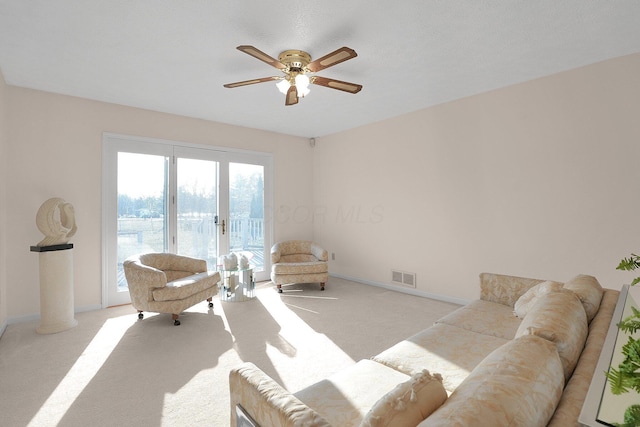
pixel 627 376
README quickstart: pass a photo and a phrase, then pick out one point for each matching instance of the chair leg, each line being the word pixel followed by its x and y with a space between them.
pixel 176 322
pixel 210 302
pixel 279 289
pixel 322 286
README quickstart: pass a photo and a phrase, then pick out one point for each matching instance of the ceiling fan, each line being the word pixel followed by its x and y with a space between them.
pixel 296 65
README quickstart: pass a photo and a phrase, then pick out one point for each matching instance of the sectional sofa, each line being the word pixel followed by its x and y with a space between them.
pixel 521 355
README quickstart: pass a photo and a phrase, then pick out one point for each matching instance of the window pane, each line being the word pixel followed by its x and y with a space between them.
pixel 142 189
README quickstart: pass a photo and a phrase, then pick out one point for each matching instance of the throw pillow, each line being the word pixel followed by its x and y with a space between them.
pixel 409 403
pixel 529 298
pixel 589 291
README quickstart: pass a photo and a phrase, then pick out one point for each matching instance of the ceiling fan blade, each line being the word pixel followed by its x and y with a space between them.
pixel 258 54
pixel 331 59
pixel 336 84
pixel 251 82
pixel 292 96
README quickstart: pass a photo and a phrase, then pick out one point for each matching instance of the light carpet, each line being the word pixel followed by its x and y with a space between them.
pixel 114 370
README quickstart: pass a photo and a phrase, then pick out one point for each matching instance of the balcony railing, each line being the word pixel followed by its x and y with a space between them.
pixel 246 234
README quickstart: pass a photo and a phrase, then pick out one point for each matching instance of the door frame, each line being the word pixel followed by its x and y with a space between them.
pixel 113 142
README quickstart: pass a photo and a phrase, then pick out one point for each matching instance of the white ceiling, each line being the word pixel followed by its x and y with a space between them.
pixel 175 55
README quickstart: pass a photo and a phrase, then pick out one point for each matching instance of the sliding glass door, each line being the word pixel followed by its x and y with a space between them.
pixel 164 197
pixel 197 204
pixel 246 212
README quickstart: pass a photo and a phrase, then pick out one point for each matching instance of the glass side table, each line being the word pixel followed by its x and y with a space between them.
pixel 237 285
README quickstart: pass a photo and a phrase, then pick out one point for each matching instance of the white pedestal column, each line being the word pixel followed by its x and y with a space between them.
pixel 56 289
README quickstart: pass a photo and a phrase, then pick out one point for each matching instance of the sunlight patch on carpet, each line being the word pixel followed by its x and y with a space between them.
pixel 308 296
pixel 302 308
pixel 82 372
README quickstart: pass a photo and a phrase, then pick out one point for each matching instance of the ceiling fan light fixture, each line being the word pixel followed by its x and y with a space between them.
pixel 283 86
pixel 302 81
pixel 302 92
pixel 296 64
pixel 302 85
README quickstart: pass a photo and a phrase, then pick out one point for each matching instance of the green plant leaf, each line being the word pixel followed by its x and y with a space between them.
pixel 632 415
pixel 617 381
pixel 630 263
pixel 631 324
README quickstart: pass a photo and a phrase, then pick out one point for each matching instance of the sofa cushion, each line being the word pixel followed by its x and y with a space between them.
pixel 441 348
pixel 345 398
pixel 311 267
pixel 185 287
pixel 408 403
pixel 560 318
pixel 589 291
pixel 575 391
pixel 529 298
pixel 484 317
pixel 519 384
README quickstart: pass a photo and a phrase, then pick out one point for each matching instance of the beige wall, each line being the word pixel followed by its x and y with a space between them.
pixel 55 151
pixel 3 203
pixel 538 180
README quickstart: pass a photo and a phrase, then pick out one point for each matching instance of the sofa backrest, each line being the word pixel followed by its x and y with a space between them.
pixel 297 251
pixel 575 391
pixel 504 289
pixel 174 266
pixel 558 317
pixel 298 258
pixel 518 384
pixel 588 289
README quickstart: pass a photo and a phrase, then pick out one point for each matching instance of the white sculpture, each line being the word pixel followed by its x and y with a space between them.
pixel 56 219
pixel 243 261
pixel 229 262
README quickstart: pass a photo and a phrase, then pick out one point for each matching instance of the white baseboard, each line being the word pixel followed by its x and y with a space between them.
pixel 22 319
pixel 410 291
pixel 88 308
pixel 34 317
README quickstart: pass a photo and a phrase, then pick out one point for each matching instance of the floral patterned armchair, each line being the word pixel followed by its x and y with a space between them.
pixel 169 283
pixel 298 261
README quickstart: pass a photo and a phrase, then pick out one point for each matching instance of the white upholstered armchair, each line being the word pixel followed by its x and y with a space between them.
pixel 298 261
pixel 169 283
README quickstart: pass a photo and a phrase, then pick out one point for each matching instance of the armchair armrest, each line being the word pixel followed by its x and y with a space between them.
pixel 504 289
pixel 275 253
pixel 138 274
pixel 319 253
pixel 267 402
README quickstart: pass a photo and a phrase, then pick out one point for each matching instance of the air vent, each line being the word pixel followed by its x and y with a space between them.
pixel 403 278
pixel 396 276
